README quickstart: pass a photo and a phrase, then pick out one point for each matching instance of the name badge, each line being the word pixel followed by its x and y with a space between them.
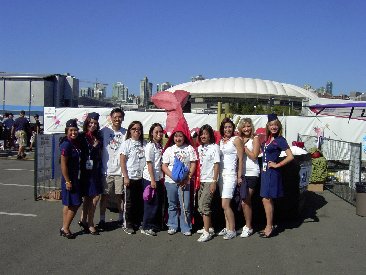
pixel 89 164
pixel 264 166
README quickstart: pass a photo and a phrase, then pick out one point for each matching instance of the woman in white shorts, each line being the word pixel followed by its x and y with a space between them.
pixel 231 152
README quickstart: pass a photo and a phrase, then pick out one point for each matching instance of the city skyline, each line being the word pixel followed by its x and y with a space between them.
pixel 296 42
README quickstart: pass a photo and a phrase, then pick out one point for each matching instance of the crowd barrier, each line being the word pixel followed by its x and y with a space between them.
pixel 344 161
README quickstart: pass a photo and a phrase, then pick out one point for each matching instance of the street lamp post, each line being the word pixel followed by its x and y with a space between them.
pixel 30 105
pixel 30 99
pixel 271 101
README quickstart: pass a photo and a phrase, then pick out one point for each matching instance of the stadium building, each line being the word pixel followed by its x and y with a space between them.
pixel 205 94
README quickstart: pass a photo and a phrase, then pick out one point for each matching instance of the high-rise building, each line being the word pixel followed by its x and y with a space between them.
pixel 164 86
pixel 120 91
pixel 145 92
pixel 320 91
pixel 100 90
pixel 329 88
pixel 133 99
pixel 86 92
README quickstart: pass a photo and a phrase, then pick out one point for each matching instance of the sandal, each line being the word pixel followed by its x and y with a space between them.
pixel 93 231
pixel 262 234
pixel 68 235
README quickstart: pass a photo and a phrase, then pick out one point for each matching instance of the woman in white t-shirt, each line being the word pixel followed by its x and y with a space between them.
pixel 251 170
pixel 132 165
pixel 179 145
pixel 152 176
pixel 231 150
pixel 209 161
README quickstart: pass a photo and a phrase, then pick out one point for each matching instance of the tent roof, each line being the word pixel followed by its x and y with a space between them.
pixel 355 110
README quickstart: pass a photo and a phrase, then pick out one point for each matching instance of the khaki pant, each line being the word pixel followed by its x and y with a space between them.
pixel 21 137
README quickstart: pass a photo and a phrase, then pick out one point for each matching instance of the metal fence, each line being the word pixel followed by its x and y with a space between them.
pixel 47 172
pixel 344 165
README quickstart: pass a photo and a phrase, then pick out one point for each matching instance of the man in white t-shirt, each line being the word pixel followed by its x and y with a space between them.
pixel 113 138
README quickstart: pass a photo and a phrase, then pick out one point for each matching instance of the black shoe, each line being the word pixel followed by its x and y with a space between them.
pixel 101 226
pixel 19 157
pixel 84 226
pixel 120 223
pixel 68 235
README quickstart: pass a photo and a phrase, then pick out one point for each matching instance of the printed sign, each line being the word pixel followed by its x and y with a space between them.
pixel 305 173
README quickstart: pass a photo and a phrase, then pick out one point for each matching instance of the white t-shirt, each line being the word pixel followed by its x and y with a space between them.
pixel 135 158
pixel 209 154
pixel 251 168
pixel 185 154
pixel 112 142
pixel 153 153
pixel 229 157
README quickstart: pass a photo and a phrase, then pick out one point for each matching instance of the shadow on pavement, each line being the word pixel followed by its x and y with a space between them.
pixel 290 212
pixel 312 202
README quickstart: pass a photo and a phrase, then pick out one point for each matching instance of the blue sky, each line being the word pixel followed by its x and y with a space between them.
pixel 298 42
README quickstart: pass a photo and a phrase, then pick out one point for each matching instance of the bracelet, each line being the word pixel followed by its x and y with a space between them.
pixel 68 182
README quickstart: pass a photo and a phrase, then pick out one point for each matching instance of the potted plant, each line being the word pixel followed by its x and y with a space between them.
pixel 318 170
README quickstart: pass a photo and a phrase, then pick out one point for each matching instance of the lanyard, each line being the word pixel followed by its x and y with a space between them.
pixel 78 151
pixel 90 147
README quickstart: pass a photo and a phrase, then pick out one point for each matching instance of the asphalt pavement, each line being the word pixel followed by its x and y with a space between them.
pixel 329 239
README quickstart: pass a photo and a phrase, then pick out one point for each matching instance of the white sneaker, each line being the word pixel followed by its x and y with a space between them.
pixel 148 232
pixel 188 233
pixel 211 230
pixel 204 237
pixel 129 231
pixel 246 232
pixel 230 235
pixel 172 231
pixel 223 232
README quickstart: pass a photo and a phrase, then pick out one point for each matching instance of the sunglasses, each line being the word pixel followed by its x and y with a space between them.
pixel 136 129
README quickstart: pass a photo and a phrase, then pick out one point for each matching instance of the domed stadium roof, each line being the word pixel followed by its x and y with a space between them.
pixel 243 87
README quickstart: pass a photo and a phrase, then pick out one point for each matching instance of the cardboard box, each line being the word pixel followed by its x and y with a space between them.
pixel 316 187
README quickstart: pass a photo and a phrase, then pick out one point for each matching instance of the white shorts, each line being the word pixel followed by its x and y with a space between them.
pixel 227 184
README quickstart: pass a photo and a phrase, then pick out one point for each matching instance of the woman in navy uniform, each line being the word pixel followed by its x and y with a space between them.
pixel 271 178
pixel 70 186
pixel 90 171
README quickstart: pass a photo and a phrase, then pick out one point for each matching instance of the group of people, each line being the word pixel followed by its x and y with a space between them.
pixel 144 176
pixel 20 132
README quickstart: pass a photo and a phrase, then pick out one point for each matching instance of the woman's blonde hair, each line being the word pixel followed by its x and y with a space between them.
pixel 241 124
pixel 279 124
